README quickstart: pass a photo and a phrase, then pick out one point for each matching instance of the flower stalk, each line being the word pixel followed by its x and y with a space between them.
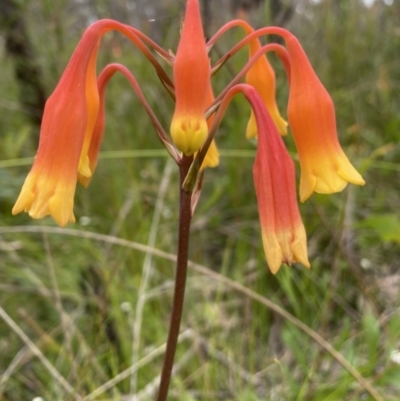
pixel 185 217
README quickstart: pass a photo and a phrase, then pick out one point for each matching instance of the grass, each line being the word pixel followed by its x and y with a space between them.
pixel 71 300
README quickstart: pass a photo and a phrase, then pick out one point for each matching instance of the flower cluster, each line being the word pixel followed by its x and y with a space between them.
pixel 74 121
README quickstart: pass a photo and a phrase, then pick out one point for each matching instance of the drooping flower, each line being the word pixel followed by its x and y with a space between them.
pixel 68 122
pixel 283 234
pixel 191 71
pixel 324 166
pixel 262 77
pixel 69 117
pixel 311 115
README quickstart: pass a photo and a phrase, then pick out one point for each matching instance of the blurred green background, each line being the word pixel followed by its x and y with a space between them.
pixel 93 306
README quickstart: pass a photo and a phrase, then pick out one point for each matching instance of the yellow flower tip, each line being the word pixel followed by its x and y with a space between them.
pixel 26 197
pixel 350 174
pixel 42 196
pixel 298 246
pixel 328 178
pixel 84 166
pixel 212 157
pixel 251 129
pixel 285 246
pixel 273 251
pixel 84 180
pixel 61 208
pixel 326 184
pixel 330 184
pixel 189 133
pixel 307 185
pixel 280 123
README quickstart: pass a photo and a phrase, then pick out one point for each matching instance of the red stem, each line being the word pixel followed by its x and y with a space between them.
pixel 185 217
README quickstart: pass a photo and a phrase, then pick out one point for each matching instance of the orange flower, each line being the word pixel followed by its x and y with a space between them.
pixel 68 123
pixel 191 79
pixel 283 234
pixel 324 166
pixel 69 117
pixel 262 77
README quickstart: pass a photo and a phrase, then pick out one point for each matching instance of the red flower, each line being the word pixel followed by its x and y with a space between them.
pixel 283 234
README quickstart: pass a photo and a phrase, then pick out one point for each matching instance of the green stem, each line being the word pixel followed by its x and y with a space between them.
pixel 185 217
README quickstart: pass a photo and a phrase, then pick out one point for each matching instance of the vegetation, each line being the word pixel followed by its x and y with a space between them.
pixel 72 299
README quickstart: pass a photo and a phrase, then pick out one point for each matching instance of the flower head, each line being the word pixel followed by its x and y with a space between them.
pixel 283 234
pixel 191 79
pixel 324 166
pixel 74 120
pixel 69 117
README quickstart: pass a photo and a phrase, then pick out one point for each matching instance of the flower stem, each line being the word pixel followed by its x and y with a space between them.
pixel 185 217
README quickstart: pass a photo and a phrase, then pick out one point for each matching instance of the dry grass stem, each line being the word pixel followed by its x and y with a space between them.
pixel 128 372
pixel 35 350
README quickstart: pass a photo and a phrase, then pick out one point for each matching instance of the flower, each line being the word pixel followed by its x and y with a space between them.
pixel 191 71
pixel 69 120
pixel 69 117
pixel 262 77
pixel 283 234
pixel 324 166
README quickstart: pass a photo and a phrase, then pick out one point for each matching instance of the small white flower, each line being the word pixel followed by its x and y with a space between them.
pixel 38 399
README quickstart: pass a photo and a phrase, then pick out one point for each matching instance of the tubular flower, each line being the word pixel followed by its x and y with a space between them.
pixel 283 234
pixel 191 79
pixel 324 166
pixel 262 77
pixel 68 122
